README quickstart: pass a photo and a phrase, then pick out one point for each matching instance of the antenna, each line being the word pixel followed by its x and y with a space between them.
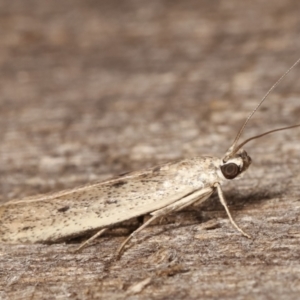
pixel 234 148
pixel 237 148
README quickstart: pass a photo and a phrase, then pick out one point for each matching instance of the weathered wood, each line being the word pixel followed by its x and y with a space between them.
pixel 95 88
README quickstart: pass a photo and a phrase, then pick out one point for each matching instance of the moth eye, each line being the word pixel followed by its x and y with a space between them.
pixel 230 171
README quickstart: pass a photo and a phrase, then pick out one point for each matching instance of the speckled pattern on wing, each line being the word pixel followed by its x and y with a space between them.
pixel 53 217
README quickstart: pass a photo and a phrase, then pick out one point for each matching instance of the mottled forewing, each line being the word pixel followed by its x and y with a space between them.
pixel 48 218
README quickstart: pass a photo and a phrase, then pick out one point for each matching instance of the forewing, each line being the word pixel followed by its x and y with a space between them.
pixel 48 218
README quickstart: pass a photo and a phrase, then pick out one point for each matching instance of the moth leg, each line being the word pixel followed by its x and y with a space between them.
pixel 120 250
pixel 99 233
pixel 183 202
pixel 223 202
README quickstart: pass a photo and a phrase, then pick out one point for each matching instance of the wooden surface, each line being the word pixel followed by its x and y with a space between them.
pixel 89 89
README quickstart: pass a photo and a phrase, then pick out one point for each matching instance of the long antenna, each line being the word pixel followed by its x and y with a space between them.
pixel 234 145
pixel 263 134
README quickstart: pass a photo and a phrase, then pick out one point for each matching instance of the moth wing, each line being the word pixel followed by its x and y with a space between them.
pixel 52 217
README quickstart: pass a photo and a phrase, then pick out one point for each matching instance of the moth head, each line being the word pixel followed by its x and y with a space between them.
pixel 236 164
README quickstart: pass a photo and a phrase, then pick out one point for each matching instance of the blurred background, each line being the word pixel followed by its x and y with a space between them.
pixel 94 88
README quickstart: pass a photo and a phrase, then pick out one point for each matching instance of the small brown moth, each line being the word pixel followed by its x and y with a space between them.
pixel 156 191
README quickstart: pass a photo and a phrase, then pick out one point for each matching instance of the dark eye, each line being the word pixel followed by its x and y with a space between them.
pixel 230 171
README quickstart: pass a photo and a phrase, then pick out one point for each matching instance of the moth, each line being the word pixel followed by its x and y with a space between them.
pixel 157 191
